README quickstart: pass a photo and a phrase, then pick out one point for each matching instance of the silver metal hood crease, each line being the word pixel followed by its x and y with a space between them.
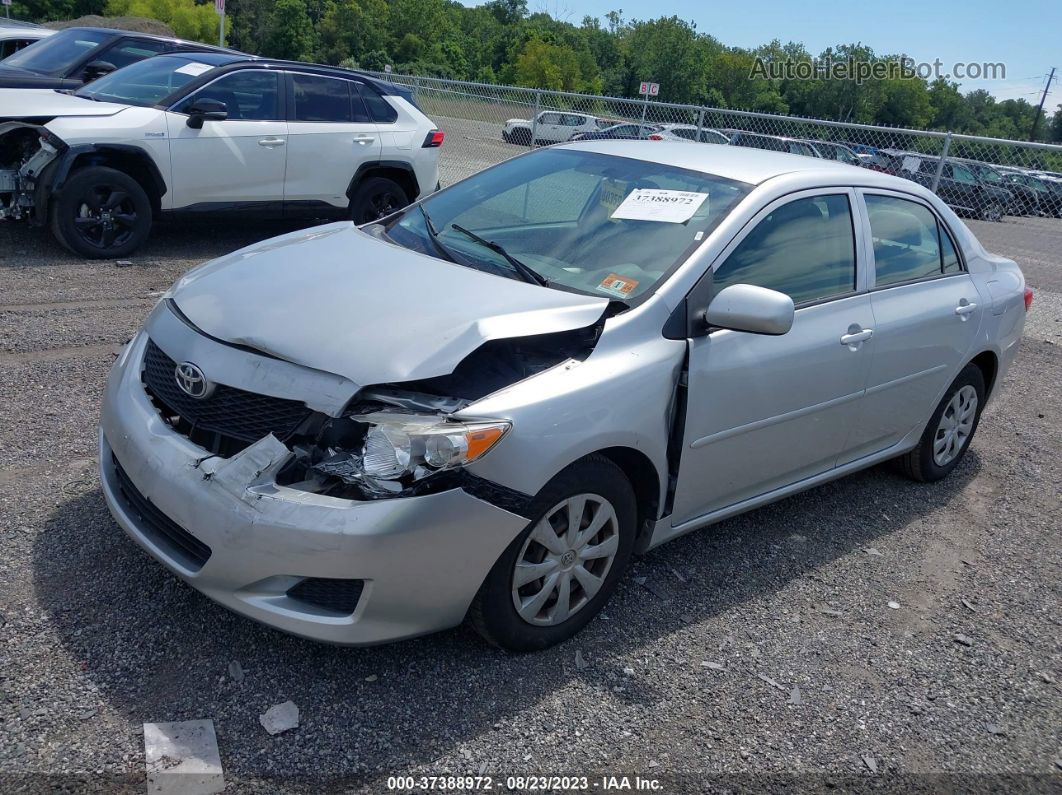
pixel 365 309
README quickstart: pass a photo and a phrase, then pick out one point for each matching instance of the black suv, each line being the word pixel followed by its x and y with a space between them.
pixel 76 56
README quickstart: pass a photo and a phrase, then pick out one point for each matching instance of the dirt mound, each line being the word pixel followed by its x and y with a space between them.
pixel 138 24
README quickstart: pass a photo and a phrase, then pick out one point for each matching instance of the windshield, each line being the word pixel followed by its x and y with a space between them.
pixel 592 223
pixel 55 55
pixel 145 82
pixel 989 174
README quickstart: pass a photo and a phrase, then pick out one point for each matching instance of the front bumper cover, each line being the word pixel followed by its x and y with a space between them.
pixel 422 558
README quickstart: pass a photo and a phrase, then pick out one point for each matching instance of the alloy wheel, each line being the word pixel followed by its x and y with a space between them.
pixel 106 216
pixel 565 559
pixel 382 205
pixel 956 425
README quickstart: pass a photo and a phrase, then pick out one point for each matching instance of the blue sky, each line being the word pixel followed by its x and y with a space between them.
pixel 1026 35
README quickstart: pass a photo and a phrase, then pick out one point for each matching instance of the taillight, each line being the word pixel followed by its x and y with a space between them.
pixel 1028 298
pixel 434 138
pixel 655 137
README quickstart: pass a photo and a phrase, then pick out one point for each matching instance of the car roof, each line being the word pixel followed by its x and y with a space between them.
pixel 116 33
pixel 234 59
pixel 739 163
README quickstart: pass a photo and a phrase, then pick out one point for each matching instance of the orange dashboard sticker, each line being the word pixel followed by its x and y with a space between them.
pixel 619 286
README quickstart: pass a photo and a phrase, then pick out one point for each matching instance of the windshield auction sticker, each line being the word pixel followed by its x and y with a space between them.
pixel 194 69
pixel 657 204
pixel 619 286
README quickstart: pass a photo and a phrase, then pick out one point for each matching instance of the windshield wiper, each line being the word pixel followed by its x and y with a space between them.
pixel 433 234
pixel 525 272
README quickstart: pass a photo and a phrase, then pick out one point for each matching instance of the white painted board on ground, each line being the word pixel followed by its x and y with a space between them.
pixel 182 758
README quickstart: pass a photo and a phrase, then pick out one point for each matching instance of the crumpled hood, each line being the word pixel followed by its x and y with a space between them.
pixel 24 103
pixel 337 299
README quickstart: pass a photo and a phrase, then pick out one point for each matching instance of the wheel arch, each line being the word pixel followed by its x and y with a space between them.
pixel 988 363
pixel 131 160
pixel 645 481
pixel 397 170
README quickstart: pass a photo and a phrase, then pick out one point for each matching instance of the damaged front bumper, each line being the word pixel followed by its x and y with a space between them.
pixel 26 150
pixel 401 567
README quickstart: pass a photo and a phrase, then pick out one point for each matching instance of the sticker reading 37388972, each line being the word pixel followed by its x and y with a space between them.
pixel 658 204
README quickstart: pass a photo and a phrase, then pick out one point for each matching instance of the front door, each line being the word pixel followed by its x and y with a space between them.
pixel 767 411
pixel 236 162
pixel 926 316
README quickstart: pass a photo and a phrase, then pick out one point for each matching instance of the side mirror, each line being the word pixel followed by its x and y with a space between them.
pixel 745 307
pixel 97 69
pixel 206 109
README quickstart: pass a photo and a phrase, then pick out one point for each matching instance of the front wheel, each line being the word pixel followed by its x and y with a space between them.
pixel 101 213
pixel 950 430
pixel 559 572
pixel 376 198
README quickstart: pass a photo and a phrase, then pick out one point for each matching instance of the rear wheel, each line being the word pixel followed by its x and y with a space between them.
pixel 520 136
pixel 950 430
pixel 993 211
pixel 101 213
pixel 376 198
pixel 559 572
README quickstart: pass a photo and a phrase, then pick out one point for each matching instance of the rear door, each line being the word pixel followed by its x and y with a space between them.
pixel 767 411
pixel 927 312
pixel 330 134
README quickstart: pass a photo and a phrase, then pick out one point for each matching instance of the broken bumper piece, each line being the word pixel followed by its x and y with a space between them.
pixel 336 570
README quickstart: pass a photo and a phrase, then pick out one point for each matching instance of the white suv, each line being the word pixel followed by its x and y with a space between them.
pixel 553 127
pixel 210 132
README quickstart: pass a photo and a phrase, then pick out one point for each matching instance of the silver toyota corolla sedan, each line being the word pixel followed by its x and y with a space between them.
pixel 484 405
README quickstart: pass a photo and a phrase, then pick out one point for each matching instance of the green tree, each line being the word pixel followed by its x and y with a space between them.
pixel 290 33
pixel 542 65
pixel 188 19
pixel 666 51
pixel 352 29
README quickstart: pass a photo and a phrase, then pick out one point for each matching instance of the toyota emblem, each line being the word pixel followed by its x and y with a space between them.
pixel 192 381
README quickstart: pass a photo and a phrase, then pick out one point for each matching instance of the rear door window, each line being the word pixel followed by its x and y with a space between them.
pixel 322 99
pixel 907 242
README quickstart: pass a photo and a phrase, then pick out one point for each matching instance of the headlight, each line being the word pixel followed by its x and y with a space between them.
pixel 398 449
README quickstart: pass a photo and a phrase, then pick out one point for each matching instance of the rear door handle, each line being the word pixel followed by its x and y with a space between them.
pixel 856 337
pixel 965 309
pixel 270 142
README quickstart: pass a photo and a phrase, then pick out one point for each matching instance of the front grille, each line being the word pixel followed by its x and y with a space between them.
pixel 336 596
pixel 227 421
pixel 165 533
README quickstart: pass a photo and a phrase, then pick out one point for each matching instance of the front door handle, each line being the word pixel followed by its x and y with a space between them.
pixel 964 308
pixel 854 338
pixel 363 139
pixel 270 142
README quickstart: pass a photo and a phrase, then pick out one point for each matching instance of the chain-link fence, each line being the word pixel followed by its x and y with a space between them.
pixel 1010 190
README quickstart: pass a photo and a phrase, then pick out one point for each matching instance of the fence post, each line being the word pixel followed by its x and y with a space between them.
pixel 645 107
pixel 700 124
pixel 534 118
pixel 940 163
pixel 416 88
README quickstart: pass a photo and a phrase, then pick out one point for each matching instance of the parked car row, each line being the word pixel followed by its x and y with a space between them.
pixel 185 129
pixel 970 187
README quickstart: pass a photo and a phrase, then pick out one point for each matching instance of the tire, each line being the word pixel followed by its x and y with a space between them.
pixel 601 485
pixel 101 213
pixel 521 137
pixel 923 463
pixel 376 198
pixel 506 138
pixel 993 211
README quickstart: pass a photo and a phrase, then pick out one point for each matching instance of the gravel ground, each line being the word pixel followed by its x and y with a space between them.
pixel 815 681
